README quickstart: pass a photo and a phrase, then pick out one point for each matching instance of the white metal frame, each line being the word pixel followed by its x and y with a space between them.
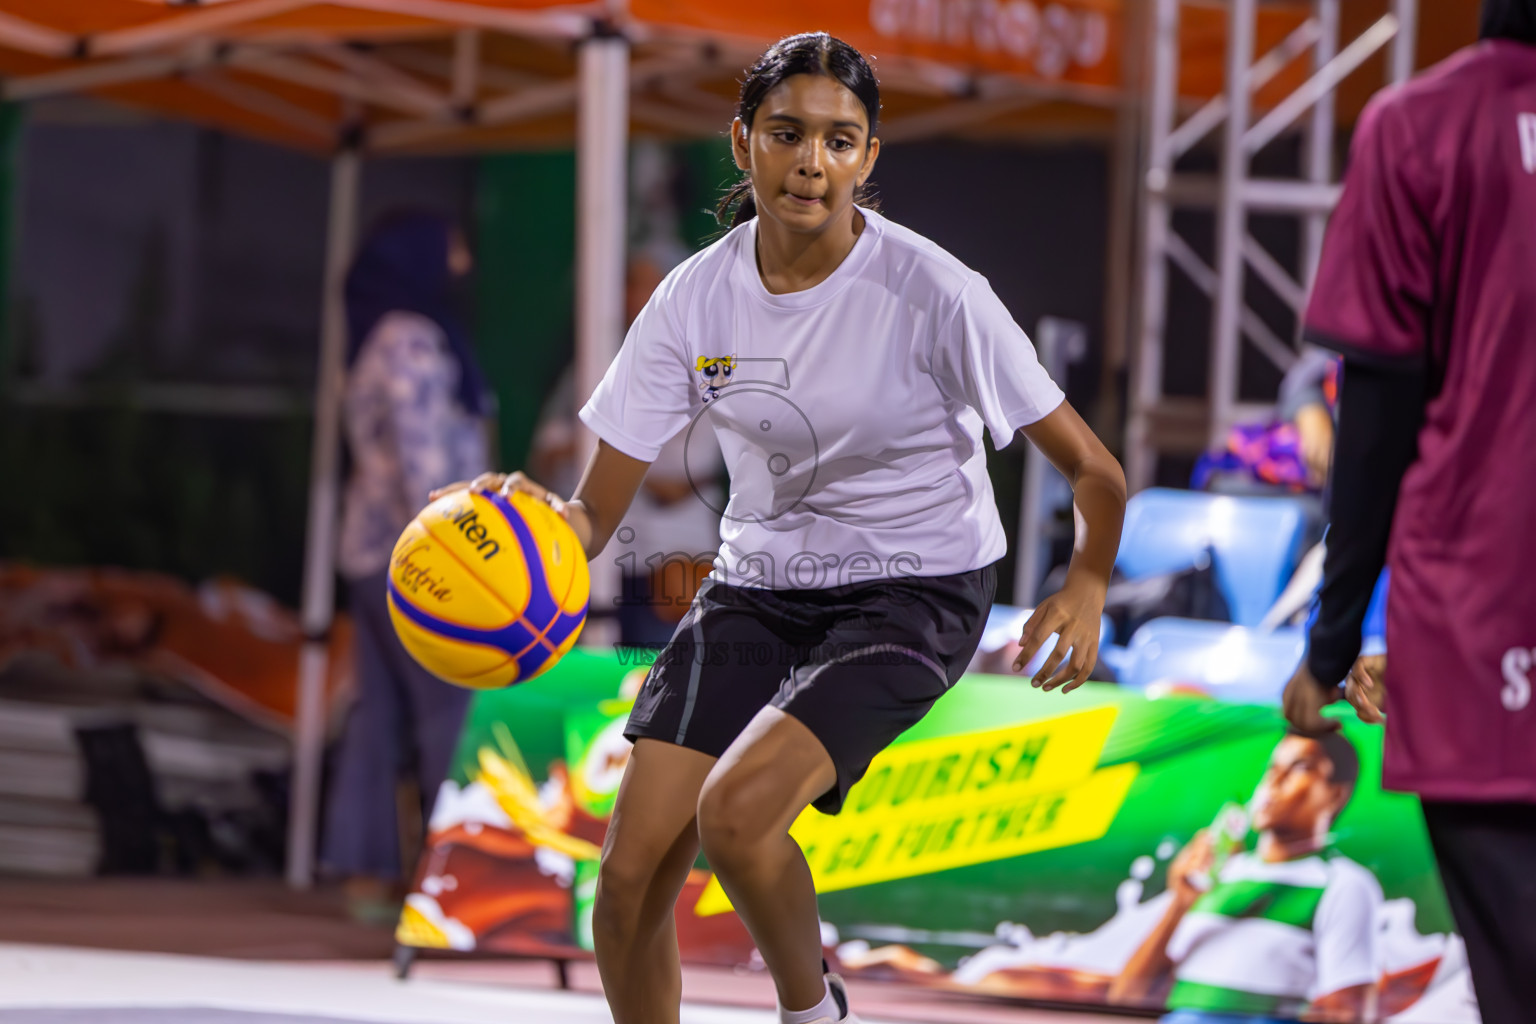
pixel 602 199
pixel 1161 423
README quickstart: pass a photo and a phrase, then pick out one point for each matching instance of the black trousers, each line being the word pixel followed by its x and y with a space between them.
pixel 1487 855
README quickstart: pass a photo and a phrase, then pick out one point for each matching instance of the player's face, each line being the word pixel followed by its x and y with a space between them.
pixel 808 150
pixel 1297 793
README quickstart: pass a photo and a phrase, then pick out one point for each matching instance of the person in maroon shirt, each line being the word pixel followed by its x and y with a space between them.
pixel 1427 288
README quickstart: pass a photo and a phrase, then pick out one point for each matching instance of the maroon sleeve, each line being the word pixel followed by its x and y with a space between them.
pixel 1376 280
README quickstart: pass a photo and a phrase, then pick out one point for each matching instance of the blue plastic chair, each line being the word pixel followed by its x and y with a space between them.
pixel 1373 632
pixel 1231 663
pixel 1255 542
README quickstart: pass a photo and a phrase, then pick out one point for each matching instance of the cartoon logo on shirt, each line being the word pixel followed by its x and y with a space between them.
pixel 774 451
pixel 714 374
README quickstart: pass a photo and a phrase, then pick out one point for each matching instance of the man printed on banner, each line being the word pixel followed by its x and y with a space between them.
pixel 1284 931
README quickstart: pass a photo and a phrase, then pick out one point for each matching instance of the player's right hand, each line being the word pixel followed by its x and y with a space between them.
pixel 519 482
pixel 502 483
pixel 455 487
pixel 1189 874
pixel 505 483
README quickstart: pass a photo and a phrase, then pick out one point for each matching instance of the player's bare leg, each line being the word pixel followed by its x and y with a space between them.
pixel 651 843
pixel 759 786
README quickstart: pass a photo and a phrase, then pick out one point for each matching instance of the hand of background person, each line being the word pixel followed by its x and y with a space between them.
pixel 1314 427
pixel 1366 688
pixel 1073 614
pixel 1189 874
pixel 506 483
pixel 1304 700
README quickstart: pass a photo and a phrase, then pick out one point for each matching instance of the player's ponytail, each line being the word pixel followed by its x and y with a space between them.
pixel 813 53
pixel 737 205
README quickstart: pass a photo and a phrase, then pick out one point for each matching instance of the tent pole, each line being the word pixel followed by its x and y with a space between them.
pixel 1146 361
pixel 602 145
pixel 1125 171
pixel 320 543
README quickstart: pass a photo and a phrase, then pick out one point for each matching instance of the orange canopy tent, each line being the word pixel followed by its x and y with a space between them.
pixel 453 74
pixel 351 77
pixel 447 75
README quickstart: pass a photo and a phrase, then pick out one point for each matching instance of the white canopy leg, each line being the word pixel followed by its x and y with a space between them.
pixel 602 146
pixel 320 544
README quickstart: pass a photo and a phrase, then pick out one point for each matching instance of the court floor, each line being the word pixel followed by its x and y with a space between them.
pixel 61 985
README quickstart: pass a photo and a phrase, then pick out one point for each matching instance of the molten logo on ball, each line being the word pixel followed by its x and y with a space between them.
pixel 469 525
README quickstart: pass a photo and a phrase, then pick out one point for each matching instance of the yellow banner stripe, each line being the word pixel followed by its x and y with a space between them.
pixel 959 800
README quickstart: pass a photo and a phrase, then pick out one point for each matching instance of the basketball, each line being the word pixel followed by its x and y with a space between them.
pixel 487 590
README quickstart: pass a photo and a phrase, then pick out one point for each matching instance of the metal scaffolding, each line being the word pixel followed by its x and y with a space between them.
pixel 1162 423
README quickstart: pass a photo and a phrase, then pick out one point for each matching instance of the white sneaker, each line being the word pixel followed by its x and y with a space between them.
pixel 839 992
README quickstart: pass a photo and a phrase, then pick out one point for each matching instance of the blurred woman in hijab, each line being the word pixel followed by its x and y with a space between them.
pixel 415 416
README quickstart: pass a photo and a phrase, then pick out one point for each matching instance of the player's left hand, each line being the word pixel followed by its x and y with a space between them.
pixel 1304 701
pixel 1072 613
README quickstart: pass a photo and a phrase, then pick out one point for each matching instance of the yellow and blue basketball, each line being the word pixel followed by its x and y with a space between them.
pixel 487 590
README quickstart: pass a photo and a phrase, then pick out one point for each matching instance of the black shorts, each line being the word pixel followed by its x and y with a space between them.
pixel 857 664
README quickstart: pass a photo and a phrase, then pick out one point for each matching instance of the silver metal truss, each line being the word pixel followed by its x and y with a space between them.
pixel 1163 423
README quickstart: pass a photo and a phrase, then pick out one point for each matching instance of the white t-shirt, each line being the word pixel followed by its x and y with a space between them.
pixel 1288 932
pixel 651 533
pixel 849 414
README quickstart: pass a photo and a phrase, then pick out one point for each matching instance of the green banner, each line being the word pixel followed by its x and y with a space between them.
pixel 1097 846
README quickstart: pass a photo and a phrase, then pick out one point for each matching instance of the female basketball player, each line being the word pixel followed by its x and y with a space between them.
pixel 847 366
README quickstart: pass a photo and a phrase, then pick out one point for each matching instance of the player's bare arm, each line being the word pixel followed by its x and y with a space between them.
pixel 1149 967
pixel 1098 505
